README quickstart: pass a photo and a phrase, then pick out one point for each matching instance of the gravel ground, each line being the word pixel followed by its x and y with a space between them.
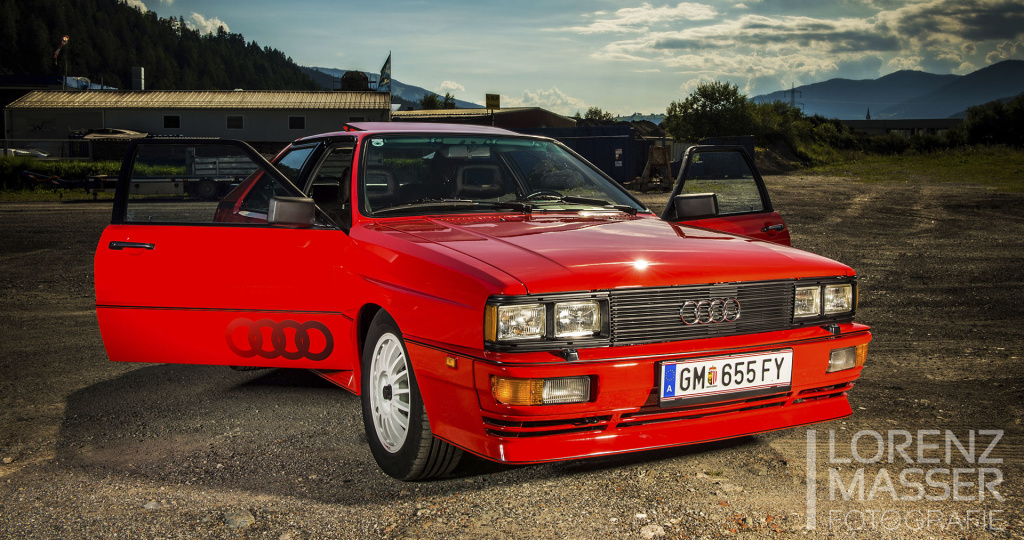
pixel 93 449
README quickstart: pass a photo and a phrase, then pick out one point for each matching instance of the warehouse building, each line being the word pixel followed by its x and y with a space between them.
pixel 49 118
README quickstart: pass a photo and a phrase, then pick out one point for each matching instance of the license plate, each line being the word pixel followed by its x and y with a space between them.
pixel 722 378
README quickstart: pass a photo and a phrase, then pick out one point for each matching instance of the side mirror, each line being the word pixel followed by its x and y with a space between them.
pixel 695 206
pixel 291 211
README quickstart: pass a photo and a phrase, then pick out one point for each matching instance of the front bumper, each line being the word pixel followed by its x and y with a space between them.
pixel 623 414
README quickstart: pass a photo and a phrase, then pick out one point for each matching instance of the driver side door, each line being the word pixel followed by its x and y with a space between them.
pixel 255 278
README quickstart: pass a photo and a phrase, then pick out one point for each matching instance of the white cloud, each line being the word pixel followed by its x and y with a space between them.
pixel 552 99
pixel 762 46
pixel 689 86
pixel 137 4
pixel 900 63
pixel 1006 50
pixel 450 86
pixel 206 26
pixel 639 19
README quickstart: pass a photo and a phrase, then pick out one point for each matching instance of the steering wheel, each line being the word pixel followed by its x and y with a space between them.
pixel 543 193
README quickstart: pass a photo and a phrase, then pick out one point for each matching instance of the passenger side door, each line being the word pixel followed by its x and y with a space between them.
pixel 255 278
pixel 719 187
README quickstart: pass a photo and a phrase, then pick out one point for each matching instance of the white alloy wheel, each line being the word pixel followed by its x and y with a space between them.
pixel 390 397
pixel 394 417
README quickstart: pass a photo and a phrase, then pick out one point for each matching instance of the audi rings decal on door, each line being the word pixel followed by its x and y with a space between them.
pixel 710 311
pixel 281 343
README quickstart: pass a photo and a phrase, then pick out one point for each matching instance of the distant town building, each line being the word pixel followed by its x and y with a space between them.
pixel 905 127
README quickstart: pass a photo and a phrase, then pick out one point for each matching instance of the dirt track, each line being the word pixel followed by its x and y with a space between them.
pixel 94 449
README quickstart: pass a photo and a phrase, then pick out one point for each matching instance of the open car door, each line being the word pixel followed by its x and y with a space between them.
pixel 719 188
pixel 213 256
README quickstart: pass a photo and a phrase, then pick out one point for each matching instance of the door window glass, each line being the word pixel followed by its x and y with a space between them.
pixel 293 161
pixel 177 183
pixel 727 175
pixel 331 186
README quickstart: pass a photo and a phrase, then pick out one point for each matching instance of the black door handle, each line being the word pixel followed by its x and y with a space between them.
pixel 778 227
pixel 131 245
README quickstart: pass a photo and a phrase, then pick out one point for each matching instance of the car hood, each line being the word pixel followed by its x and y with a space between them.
pixel 549 253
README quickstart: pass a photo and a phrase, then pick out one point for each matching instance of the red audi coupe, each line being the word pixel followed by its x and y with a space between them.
pixel 481 290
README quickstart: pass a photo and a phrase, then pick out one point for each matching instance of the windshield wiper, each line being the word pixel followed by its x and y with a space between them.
pixel 434 204
pixel 518 206
pixel 588 201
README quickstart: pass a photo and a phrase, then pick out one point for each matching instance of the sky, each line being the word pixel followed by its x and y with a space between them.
pixel 621 56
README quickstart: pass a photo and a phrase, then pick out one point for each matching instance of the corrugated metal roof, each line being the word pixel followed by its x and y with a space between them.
pixel 442 113
pixel 207 99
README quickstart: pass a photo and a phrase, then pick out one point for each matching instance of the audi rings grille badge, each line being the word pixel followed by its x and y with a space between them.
pixel 710 311
pixel 291 340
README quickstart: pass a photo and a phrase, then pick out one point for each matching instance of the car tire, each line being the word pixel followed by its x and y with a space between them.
pixel 207 190
pixel 397 428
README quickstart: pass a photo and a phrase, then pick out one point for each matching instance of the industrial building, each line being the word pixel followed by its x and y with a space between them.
pixel 47 119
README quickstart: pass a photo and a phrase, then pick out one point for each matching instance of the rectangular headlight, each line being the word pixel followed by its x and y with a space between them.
pixel 577 319
pixel 807 302
pixel 512 391
pixel 838 298
pixel 519 322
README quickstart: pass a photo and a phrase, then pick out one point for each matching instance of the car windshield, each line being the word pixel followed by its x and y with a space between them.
pixel 417 174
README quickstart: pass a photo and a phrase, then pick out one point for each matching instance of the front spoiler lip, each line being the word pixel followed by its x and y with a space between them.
pixel 653 436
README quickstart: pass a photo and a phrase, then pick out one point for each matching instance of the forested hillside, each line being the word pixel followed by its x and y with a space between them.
pixel 108 38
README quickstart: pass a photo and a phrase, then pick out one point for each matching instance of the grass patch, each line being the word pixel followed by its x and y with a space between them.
pixel 52 195
pixel 1001 168
pixel 68 169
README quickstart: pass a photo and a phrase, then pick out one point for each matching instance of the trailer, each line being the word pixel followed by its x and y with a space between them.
pixel 204 178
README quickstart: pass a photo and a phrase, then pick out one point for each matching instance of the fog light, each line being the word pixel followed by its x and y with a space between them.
pixel 841 359
pixel 540 391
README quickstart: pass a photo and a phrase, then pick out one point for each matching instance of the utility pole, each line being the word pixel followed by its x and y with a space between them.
pixel 792 96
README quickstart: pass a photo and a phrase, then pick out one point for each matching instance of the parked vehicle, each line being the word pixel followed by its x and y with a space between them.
pixel 200 177
pixel 487 292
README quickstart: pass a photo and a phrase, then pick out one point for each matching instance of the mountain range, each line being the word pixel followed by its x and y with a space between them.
pixel 903 94
pixel 906 94
pixel 406 95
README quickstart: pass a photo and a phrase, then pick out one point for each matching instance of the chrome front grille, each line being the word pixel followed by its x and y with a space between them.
pixel 651 315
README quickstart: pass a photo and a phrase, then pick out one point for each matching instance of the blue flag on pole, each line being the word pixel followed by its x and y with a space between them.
pixel 384 83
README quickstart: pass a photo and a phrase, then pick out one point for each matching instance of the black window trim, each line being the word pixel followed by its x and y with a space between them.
pixel 128 168
pixel 669 214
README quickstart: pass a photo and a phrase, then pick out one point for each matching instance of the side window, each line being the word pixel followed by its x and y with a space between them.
pixel 727 175
pixel 292 163
pixel 209 182
pixel 257 199
pixel 331 187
